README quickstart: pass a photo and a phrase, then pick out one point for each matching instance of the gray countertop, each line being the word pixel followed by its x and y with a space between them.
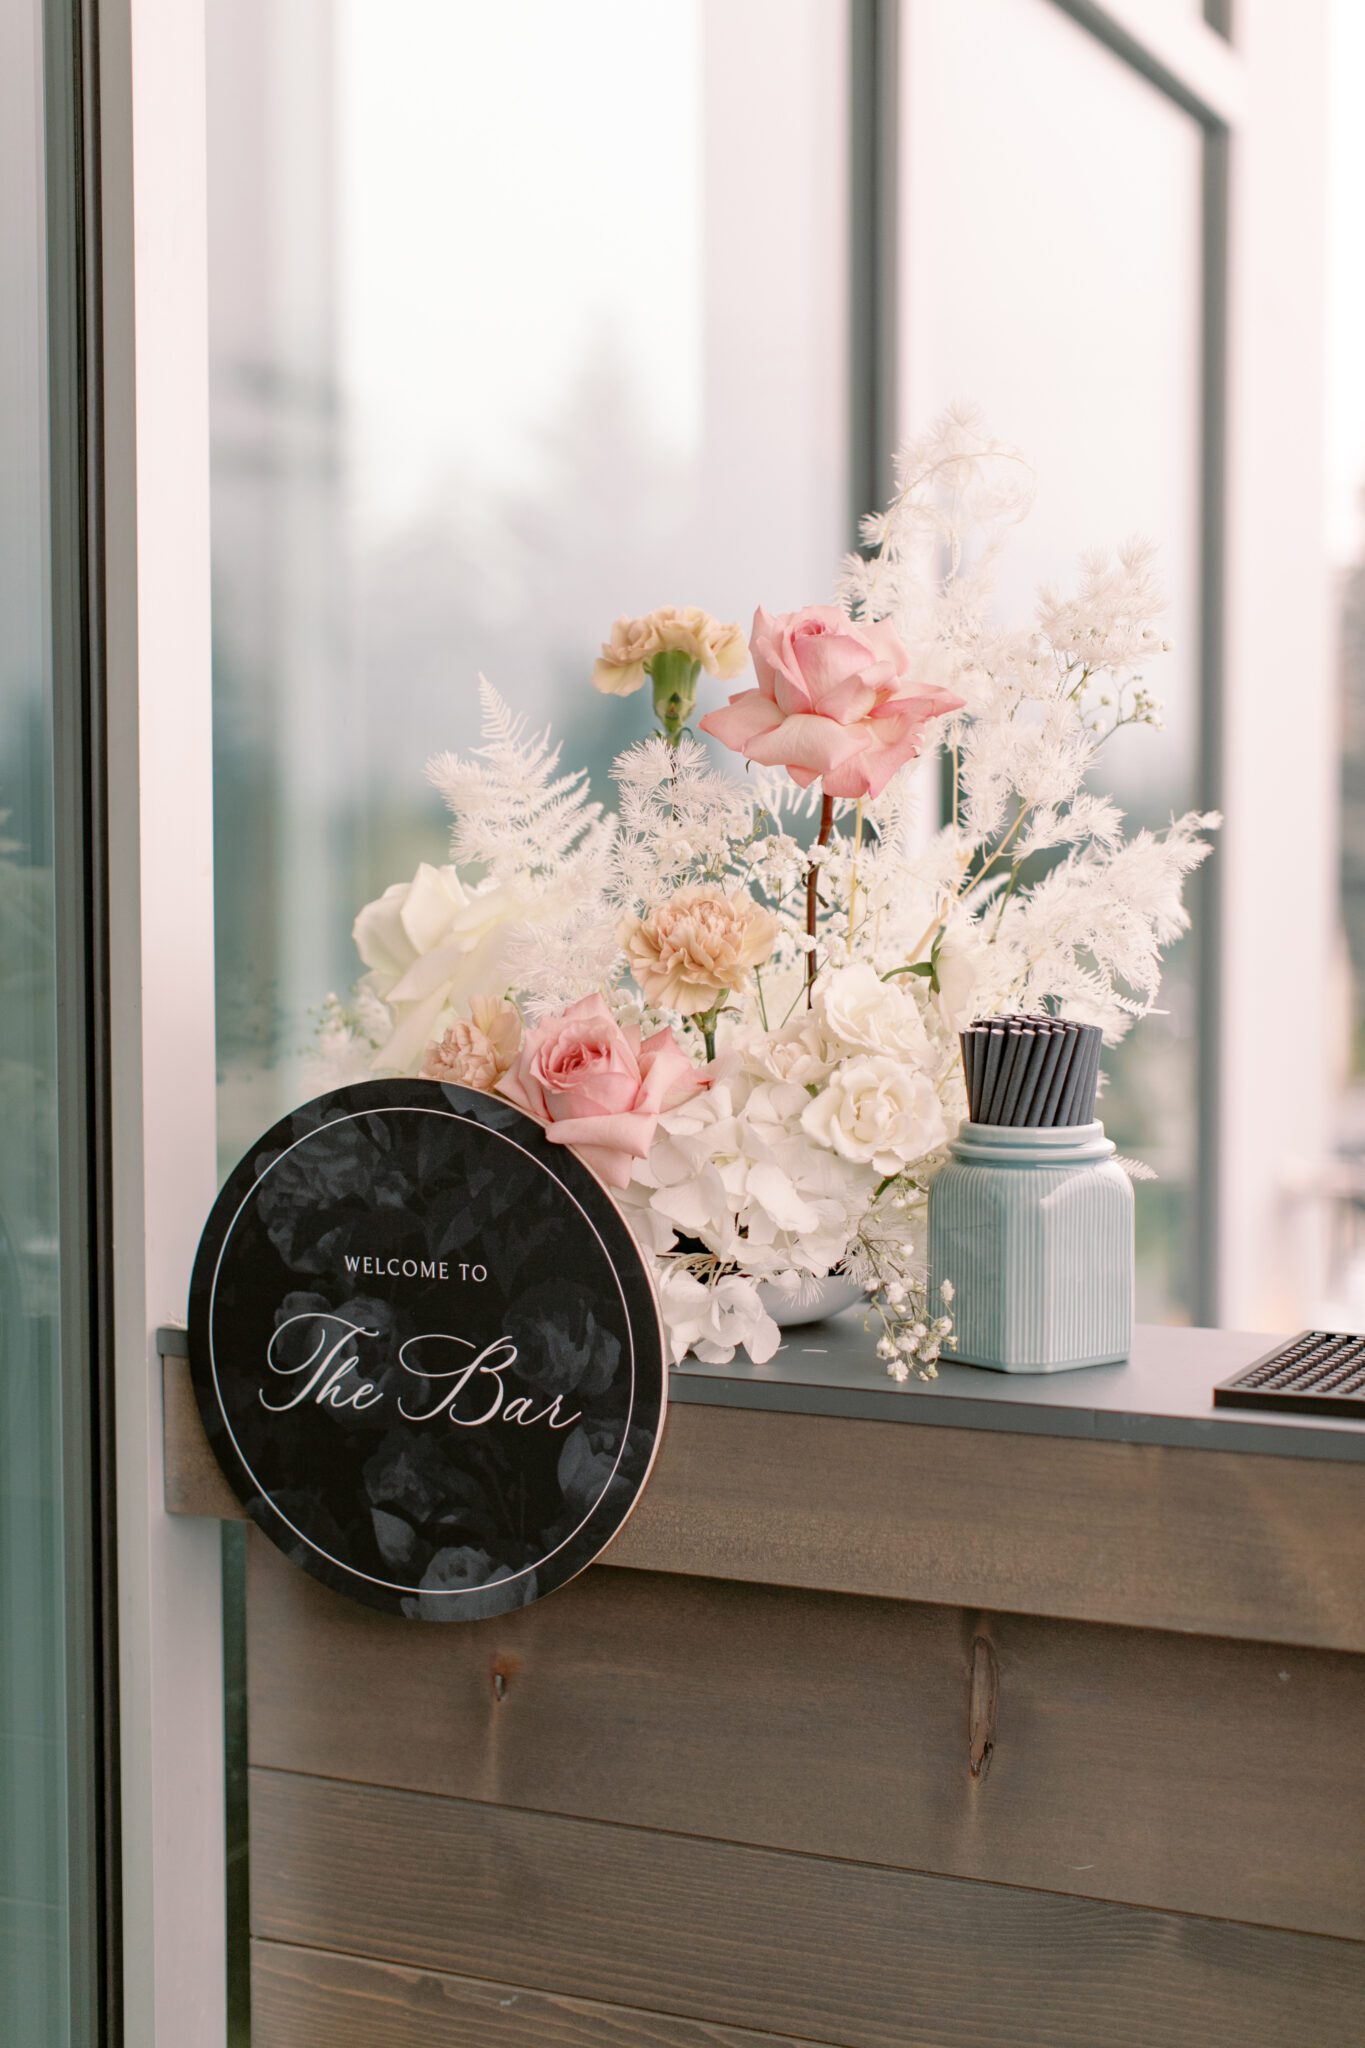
pixel 1162 1395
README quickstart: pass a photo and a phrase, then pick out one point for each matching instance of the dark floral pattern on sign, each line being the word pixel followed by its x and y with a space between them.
pixel 426 1350
pixel 486 1588
pixel 566 1349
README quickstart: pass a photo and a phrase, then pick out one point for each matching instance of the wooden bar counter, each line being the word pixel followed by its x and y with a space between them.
pixel 1003 1713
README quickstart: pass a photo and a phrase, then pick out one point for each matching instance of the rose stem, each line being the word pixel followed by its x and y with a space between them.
pixel 812 886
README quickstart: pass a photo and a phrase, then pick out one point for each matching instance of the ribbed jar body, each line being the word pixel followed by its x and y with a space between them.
pixel 1035 1230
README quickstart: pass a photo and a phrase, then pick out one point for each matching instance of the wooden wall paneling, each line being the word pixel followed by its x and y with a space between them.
pixel 302 1996
pixel 1209 1776
pixel 1207 1542
pixel 797 1945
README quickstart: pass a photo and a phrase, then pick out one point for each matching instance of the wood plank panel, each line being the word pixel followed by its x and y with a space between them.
pixel 1209 1776
pixel 828 1952
pixel 308 1998
pixel 1212 1543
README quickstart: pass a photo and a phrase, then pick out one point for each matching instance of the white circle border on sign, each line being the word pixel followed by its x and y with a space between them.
pixel 394 1585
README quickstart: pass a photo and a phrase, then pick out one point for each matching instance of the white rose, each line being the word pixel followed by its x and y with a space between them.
pixel 863 1013
pixel 799 1053
pixel 877 1112
pixel 432 945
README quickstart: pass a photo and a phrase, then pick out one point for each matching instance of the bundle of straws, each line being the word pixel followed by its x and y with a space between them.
pixel 1031 1070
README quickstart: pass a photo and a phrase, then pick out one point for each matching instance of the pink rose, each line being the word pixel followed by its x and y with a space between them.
pixel 834 702
pixel 595 1087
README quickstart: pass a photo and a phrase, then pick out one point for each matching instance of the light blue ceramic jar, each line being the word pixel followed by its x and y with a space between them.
pixel 1035 1230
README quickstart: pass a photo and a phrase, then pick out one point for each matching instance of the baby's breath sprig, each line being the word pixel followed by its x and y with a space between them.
pixel 913 1332
pixel 912 1338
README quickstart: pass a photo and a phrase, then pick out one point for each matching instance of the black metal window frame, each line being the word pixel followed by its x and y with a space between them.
pixel 75 541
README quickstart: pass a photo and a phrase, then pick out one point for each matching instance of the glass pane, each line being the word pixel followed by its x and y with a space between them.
pixel 1054 276
pixel 492 362
pixel 1345 525
pixel 35 1989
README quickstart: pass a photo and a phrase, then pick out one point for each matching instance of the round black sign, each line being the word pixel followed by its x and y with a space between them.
pixel 426 1350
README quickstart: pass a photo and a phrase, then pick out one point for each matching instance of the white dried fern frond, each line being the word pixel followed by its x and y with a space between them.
pixel 1089 935
pixel 953 481
pixel 554 964
pixel 1136 1169
pixel 680 821
pixel 515 814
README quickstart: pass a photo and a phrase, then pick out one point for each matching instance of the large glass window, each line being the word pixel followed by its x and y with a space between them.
pixel 493 361
pixel 1345 526
pixel 1053 274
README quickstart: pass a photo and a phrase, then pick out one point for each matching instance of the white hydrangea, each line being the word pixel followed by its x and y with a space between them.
pixel 734 1171
pixel 714 1318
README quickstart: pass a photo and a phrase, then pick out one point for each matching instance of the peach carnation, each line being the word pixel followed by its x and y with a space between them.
pixel 698 944
pixel 477 1050
pixel 686 629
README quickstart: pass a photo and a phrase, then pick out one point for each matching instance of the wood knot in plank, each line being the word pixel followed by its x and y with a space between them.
pixel 981 1704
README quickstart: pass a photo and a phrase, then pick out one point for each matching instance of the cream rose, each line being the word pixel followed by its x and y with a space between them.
pixel 863 1013
pixel 877 1112
pixel 698 944
pixel 477 1050
pixel 431 945
pixel 800 1053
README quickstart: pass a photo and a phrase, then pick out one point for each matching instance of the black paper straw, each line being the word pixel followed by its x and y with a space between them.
pixel 994 1110
pixel 1075 1086
pixel 1085 1108
pixel 1060 1072
pixel 995 1046
pixel 1049 1052
pixel 1033 1074
pixel 1025 1040
pixel 1066 1108
pixel 1075 1100
pixel 977 1040
pixel 1005 1032
pixel 1092 1080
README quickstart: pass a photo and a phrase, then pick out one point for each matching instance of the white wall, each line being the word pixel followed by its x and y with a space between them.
pixel 161 995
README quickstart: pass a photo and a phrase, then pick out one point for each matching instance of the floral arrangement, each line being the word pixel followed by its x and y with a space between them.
pixel 738 998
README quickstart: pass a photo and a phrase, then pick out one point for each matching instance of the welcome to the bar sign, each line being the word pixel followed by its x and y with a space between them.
pixel 426 1350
